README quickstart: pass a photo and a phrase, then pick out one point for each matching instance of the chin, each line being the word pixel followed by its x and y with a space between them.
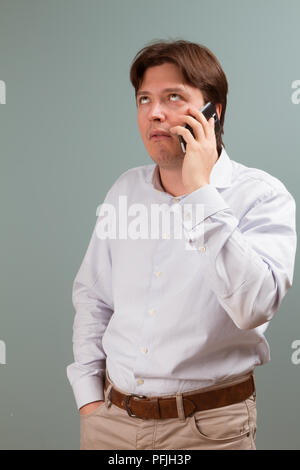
pixel 167 160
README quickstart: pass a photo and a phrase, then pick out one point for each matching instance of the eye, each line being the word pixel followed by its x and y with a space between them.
pixel 141 98
pixel 145 97
pixel 175 94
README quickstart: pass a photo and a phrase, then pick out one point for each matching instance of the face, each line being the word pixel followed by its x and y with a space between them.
pixel 158 109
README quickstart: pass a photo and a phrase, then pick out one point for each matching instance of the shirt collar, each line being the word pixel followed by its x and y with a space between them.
pixel 220 176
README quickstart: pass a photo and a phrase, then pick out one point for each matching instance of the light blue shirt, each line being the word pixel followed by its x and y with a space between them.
pixel 165 319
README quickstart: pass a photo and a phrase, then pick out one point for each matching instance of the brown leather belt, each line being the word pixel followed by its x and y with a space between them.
pixel 140 406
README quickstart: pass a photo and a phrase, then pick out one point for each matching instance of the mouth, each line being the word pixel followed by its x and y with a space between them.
pixel 159 134
pixel 160 137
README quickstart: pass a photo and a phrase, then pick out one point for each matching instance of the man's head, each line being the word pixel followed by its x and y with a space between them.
pixel 156 72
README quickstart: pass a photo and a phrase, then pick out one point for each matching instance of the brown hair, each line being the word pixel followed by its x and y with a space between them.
pixel 198 65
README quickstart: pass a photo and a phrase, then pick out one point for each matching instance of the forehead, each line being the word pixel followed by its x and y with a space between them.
pixel 165 78
pixel 165 74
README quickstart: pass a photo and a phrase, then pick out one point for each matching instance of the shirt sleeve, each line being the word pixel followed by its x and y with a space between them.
pixel 93 302
pixel 250 262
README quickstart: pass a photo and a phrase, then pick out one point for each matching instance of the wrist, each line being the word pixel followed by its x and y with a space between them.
pixel 192 188
pixel 89 407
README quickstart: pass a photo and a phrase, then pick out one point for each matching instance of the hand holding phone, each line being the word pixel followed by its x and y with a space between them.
pixel 208 110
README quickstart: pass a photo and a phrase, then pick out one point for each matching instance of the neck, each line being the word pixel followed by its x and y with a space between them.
pixel 171 181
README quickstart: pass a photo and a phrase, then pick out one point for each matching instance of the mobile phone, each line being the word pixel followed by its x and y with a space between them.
pixel 209 110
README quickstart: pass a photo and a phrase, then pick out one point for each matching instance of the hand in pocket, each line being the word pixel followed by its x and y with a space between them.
pixel 89 408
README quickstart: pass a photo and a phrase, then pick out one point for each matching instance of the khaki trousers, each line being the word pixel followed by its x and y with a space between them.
pixel 231 427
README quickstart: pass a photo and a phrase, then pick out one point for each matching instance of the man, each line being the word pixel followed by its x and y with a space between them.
pixel 168 330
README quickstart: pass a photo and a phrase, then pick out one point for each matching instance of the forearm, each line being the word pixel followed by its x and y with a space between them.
pixel 92 301
pixel 86 374
pixel 249 263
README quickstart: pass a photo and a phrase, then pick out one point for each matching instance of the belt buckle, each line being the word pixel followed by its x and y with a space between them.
pixel 127 404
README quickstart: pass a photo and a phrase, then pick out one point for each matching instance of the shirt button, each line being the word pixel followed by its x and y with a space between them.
pixel 202 248
pixel 140 381
pixel 144 350
pixel 152 311
pixel 166 235
pixel 176 199
pixel 158 273
pixel 187 216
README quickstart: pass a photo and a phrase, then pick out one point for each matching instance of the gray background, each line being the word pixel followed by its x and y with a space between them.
pixel 68 130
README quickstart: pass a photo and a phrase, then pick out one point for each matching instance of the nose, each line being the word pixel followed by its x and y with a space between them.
pixel 157 112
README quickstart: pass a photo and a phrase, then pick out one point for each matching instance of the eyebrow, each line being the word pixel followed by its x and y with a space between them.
pixel 177 89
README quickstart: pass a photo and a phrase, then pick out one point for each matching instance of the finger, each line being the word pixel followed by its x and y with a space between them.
pixel 184 132
pixel 202 119
pixel 212 127
pixel 196 126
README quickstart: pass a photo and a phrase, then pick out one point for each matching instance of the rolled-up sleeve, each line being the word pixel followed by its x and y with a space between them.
pixel 250 261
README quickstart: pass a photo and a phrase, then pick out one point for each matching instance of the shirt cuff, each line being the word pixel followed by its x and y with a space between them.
pixel 200 204
pixel 88 389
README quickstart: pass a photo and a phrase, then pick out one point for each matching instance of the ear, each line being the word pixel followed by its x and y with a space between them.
pixel 219 109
